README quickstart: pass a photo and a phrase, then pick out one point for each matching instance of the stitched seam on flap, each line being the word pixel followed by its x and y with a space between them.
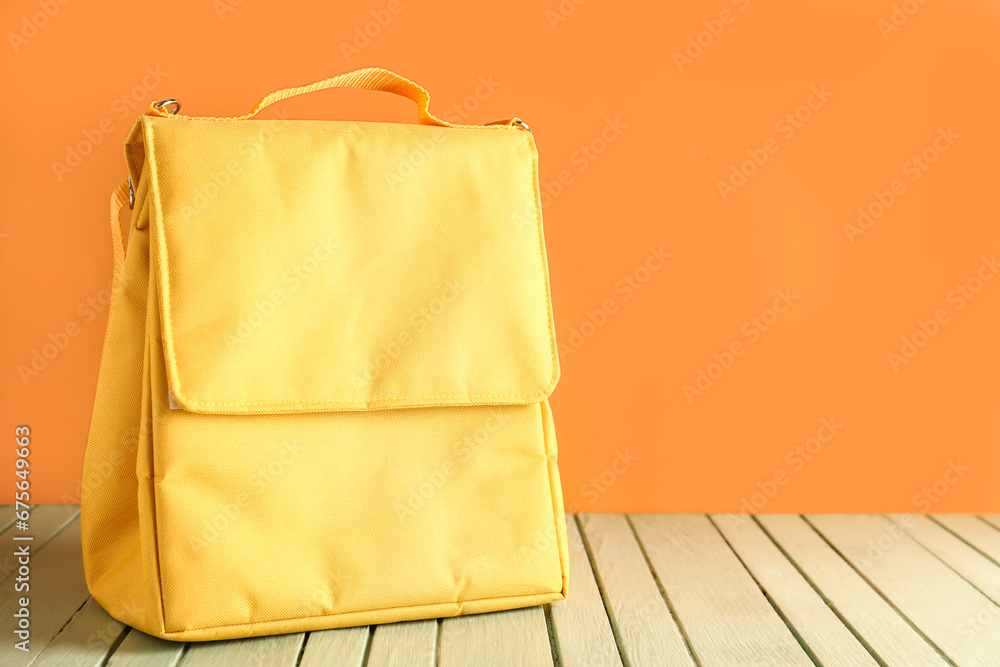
pixel 363 402
pixel 163 276
pixel 545 266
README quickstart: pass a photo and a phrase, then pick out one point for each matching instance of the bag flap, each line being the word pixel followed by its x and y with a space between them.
pixel 330 265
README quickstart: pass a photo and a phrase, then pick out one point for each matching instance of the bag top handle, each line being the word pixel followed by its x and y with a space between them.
pixel 370 78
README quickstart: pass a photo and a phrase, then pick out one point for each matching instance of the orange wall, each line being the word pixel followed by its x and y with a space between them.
pixel 637 143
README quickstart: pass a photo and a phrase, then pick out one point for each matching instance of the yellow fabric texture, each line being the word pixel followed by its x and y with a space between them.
pixel 323 392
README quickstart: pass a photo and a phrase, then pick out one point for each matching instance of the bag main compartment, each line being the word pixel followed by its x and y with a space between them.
pixel 357 436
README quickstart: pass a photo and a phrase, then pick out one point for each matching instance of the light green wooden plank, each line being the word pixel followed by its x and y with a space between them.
pixel 878 624
pixel 58 590
pixel 975 531
pixel 726 617
pixel 272 651
pixel 939 602
pixel 827 637
pixel 976 568
pixel 582 628
pixel 404 644
pixel 85 641
pixel 44 522
pixel 649 635
pixel 517 638
pixel 343 646
pixel 141 650
pixel 6 516
pixel 992 519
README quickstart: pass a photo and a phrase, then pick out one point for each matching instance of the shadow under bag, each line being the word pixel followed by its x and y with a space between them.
pixel 323 391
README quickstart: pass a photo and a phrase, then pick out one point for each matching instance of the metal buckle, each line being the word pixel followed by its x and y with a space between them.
pixel 131 194
pixel 175 104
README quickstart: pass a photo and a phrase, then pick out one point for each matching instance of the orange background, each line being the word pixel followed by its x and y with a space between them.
pixel 662 133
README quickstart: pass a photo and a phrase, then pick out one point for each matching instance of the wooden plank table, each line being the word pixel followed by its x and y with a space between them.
pixel 645 590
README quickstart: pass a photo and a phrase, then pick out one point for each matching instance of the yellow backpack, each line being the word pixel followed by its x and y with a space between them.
pixel 323 391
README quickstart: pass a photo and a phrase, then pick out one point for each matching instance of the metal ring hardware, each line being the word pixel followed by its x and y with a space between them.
pixel 175 104
pixel 511 122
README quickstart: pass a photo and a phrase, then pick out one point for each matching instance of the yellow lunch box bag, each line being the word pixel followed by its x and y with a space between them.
pixel 323 390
